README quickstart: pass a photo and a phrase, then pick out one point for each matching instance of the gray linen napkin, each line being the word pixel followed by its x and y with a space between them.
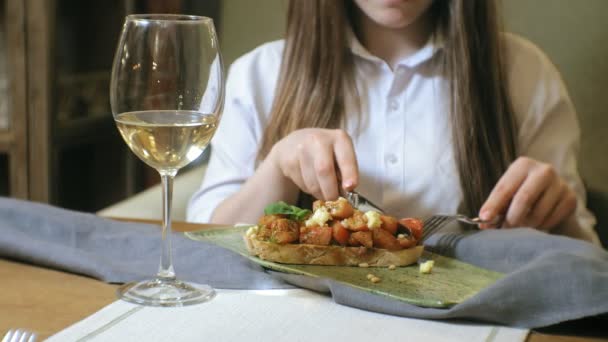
pixel 549 279
pixel 114 251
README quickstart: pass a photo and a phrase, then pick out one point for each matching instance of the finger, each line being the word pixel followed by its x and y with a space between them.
pixel 492 225
pixel 485 226
pixel 295 174
pixel 304 175
pixel 566 206
pixel 291 168
pixel 346 160
pixel 526 197
pixel 545 205
pixel 307 172
pixel 325 171
pixel 504 190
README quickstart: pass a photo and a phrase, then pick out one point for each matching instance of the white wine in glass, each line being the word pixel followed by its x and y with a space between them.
pixel 166 94
pixel 167 145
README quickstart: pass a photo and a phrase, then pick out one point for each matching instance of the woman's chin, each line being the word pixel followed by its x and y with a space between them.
pixel 394 20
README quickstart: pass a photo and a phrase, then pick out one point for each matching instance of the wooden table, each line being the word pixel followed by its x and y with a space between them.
pixel 47 301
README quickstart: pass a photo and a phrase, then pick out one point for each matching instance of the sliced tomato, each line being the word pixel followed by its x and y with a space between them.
pixel 266 220
pixel 384 239
pixel 316 235
pixel 414 225
pixel 284 231
pixel 389 224
pixel 353 242
pixel 340 208
pixel 363 238
pixel 339 233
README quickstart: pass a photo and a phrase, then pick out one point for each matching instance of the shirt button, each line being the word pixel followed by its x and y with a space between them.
pixel 391 158
pixel 394 105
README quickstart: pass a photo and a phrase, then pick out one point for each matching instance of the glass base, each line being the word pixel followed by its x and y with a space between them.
pixel 165 292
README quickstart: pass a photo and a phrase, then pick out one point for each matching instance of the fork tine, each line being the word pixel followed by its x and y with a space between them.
pixel 430 225
pixel 431 221
pixel 24 336
pixel 434 224
pixel 28 337
pixel 8 336
pixel 19 335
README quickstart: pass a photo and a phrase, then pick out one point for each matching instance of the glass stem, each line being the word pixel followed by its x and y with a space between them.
pixel 165 269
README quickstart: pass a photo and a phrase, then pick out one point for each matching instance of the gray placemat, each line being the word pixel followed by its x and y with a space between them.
pixel 114 251
pixel 549 279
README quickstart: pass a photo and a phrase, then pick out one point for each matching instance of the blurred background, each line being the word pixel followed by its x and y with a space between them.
pixel 58 143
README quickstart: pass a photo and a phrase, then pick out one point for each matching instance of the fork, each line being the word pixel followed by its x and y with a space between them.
pixel 435 223
pixel 431 225
pixel 19 335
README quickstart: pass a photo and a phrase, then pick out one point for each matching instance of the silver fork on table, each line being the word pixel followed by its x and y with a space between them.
pixel 435 223
pixel 19 335
pixel 432 224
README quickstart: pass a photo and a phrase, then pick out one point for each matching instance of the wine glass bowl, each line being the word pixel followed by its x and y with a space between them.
pixel 166 93
pixel 166 140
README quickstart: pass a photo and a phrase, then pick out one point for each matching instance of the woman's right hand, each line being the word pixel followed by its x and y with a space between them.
pixel 317 161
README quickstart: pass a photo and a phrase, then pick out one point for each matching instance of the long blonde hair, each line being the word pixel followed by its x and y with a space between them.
pixel 317 75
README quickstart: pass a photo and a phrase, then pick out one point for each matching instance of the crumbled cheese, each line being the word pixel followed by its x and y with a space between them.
pixel 370 276
pixel 318 218
pixel 373 219
pixel 252 231
pixel 364 265
pixel 392 267
pixel 375 280
pixel 427 266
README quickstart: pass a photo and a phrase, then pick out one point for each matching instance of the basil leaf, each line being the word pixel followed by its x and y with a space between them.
pixel 301 214
pixel 278 208
pixel 282 208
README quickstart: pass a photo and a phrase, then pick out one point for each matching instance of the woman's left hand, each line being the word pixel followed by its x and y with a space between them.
pixel 530 194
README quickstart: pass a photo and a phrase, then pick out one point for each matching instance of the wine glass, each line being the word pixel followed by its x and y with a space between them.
pixel 166 92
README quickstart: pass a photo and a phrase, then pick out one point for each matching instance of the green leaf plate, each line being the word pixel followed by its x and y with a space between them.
pixel 450 282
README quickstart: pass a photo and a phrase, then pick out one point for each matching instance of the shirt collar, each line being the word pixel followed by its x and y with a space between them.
pixel 427 52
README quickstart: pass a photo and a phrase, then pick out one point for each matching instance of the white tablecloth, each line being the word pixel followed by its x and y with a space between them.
pixel 270 315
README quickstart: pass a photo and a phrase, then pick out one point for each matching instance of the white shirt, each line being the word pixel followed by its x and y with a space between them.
pixel 403 143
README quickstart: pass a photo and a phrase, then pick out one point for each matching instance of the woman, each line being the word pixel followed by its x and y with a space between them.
pixel 423 106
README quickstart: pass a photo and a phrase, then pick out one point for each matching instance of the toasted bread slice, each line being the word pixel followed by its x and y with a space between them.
pixel 330 255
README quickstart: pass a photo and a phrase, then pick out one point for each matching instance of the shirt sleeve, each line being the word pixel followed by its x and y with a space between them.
pixel 232 154
pixel 548 126
pixel 234 147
